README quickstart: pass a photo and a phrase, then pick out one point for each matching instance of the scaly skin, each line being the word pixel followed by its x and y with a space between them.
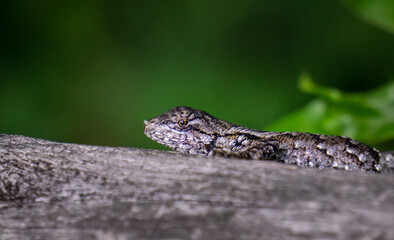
pixel 193 131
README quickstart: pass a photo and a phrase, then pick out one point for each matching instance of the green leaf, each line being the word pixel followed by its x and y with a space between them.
pixel 367 117
pixel 377 12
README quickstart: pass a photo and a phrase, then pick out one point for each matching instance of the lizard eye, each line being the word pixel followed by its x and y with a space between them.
pixel 182 122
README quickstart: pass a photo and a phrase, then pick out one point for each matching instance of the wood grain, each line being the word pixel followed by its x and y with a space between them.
pixel 52 190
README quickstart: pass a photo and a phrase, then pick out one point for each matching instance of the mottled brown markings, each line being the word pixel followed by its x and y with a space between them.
pixel 207 135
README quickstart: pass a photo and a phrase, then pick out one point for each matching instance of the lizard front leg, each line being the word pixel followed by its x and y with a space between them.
pixel 242 146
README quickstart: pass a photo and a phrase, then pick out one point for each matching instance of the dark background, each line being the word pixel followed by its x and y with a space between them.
pixel 91 71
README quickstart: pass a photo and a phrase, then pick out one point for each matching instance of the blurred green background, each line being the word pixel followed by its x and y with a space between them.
pixel 91 71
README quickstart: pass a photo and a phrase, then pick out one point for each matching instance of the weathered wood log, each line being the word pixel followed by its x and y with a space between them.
pixel 51 190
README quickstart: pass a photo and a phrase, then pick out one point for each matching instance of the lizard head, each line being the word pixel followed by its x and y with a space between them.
pixel 185 130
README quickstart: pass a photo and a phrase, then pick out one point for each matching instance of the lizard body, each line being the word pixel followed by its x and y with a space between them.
pixel 193 131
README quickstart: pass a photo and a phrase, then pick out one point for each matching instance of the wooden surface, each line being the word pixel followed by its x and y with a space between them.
pixel 51 190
